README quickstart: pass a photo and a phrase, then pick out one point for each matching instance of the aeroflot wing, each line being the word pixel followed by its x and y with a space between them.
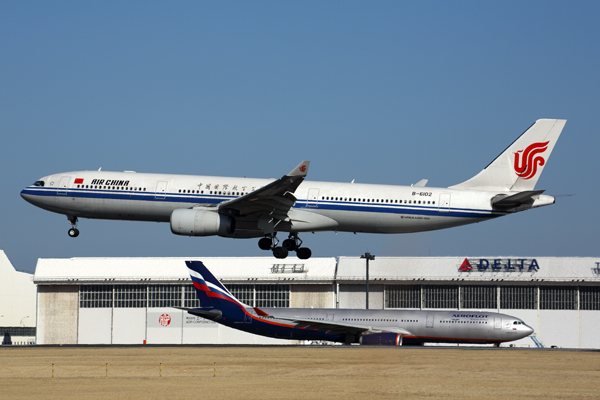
pixel 275 199
pixel 340 327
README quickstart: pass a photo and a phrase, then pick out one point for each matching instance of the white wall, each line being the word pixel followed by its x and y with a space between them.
pixel 129 325
pixel 17 295
pixel 95 326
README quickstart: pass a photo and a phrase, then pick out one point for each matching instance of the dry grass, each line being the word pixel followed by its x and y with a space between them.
pixel 296 373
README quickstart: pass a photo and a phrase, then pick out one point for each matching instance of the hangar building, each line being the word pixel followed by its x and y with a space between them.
pixel 131 300
pixel 17 304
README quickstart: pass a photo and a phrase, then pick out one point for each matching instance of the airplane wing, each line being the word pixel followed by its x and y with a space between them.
pixel 274 199
pixel 340 327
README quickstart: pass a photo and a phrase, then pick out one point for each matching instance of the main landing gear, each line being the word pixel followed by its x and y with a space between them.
pixel 73 232
pixel 292 243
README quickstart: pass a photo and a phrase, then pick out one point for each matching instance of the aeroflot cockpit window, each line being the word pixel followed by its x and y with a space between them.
pixel 39 183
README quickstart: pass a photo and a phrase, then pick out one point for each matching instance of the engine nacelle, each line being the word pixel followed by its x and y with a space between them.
pixel 381 339
pixel 190 222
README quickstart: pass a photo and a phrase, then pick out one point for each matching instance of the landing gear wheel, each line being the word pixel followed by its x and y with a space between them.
pixel 303 253
pixel 73 232
pixel 289 244
pixel 265 243
pixel 280 252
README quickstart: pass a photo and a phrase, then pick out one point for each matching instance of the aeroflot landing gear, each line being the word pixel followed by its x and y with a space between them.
pixel 73 232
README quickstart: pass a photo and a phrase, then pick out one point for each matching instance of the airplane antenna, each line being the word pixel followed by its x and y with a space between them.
pixel 99 169
pixel 352 181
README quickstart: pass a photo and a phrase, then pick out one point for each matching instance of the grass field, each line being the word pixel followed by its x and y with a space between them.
pixel 296 373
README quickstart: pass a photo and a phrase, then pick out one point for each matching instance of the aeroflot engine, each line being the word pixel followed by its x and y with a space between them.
pixel 381 339
pixel 198 222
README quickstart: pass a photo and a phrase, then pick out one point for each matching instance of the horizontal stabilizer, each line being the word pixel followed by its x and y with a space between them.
pixel 211 314
pixel 505 202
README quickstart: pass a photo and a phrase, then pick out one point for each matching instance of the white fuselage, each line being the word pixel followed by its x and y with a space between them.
pixel 425 326
pixel 348 207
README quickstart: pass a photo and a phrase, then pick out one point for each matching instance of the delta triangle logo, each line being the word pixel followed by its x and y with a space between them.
pixel 466 266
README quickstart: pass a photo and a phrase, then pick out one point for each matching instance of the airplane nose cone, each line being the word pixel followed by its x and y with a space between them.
pixel 528 330
pixel 27 196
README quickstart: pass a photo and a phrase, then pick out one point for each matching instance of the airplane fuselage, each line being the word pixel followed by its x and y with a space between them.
pixel 425 326
pixel 319 206
pixel 247 207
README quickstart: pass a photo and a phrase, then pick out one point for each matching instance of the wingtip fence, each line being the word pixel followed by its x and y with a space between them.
pixel 106 367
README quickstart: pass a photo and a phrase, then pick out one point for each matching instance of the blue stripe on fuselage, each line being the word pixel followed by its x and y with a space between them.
pixel 216 199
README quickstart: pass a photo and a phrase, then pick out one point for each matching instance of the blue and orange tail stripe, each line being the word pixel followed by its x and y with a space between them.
pixel 208 288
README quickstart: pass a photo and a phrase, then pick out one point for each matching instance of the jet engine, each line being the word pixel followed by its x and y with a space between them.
pixel 199 222
pixel 381 339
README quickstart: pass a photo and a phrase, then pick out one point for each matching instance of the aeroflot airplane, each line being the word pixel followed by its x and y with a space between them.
pixel 248 208
pixel 372 327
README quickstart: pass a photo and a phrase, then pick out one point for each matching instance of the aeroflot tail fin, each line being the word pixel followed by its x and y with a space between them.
pixel 519 167
pixel 211 292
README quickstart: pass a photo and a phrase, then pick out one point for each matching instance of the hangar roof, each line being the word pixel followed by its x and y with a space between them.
pixel 496 268
pixel 321 270
pixel 169 269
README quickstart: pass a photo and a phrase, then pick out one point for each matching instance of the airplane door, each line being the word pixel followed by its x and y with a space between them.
pixel 161 190
pixel 313 198
pixel 63 185
pixel 430 321
pixel 329 317
pixel 497 323
pixel 444 205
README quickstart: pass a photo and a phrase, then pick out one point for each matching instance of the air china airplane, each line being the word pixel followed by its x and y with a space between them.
pixel 253 208
pixel 369 327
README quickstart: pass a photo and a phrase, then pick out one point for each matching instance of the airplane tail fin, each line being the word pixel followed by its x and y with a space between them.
pixel 210 292
pixel 519 167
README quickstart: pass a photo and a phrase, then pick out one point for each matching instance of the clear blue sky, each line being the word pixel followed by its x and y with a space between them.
pixel 381 92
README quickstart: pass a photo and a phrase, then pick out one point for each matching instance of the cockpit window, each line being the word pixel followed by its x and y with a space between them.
pixel 39 183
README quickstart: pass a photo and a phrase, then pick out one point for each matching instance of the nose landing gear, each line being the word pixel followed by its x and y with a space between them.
pixel 73 232
pixel 292 243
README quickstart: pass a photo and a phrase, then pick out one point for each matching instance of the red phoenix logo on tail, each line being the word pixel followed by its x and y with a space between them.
pixel 528 160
